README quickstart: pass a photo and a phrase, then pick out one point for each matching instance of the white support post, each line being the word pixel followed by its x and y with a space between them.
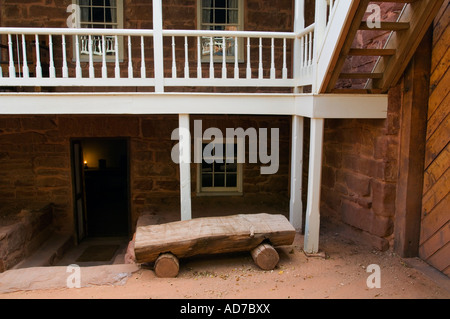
pixel 185 167
pixel 319 34
pixel 312 225
pixel 296 205
pixel 158 46
pixel 299 25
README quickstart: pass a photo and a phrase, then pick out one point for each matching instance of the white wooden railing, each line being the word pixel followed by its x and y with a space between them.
pixel 128 57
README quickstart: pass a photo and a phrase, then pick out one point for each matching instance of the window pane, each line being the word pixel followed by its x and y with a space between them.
pixel 98 15
pixel 219 180
pixel 85 14
pixel 207 16
pixel 231 168
pixel 232 16
pixel 110 3
pixel 231 180
pixel 84 2
pixel 219 168
pixel 233 4
pixel 220 3
pixel 207 167
pixel 207 3
pixel 220 15
pixel 207 180
pixel 98 3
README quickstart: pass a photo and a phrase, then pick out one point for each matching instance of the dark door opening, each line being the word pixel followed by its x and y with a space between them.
pixel 105 186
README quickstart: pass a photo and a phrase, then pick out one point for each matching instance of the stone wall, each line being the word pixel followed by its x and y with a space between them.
pixel 360 173
pixel 36 170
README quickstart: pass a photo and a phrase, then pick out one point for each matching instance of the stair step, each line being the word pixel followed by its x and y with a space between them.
pixel 372 52
pixel 361 75
pixel 48 252
pixel 386 26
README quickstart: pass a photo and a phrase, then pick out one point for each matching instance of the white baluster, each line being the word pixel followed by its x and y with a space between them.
pixel 130 62
pixel 116 52
pixel 249 66
pixel 211 58
pixel 224 58
pixel 174 62
pixel 52 69
pixel 236 58
pixel 104 67
pixel 78 73
pixel 25 70
pixel 310 49
pixel 91 58
pixel 285 71
pixel 272 63
pixel 260 73
pixel 186 58
pixel 199 57
pixel 303 50
pixel 12 68
pixel 38 58
pixel 65 71
pixel 143 69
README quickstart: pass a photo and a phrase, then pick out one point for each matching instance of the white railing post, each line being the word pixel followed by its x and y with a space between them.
pixel 299 25
pixel 185 166
pixel 319 33
pixel 296 204
pixel 312 223
pixel 158 46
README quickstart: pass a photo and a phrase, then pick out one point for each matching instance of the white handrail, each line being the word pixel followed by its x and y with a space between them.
pixel 101 49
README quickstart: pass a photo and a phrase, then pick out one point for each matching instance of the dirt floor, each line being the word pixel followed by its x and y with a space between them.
pixel 343 273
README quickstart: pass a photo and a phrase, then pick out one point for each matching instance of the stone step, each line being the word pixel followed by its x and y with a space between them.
pixel 49 252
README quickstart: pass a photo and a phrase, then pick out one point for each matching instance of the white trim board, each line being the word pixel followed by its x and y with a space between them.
pixel 306 105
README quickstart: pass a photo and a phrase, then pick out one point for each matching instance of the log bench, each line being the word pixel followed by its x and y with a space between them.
pixel 165 244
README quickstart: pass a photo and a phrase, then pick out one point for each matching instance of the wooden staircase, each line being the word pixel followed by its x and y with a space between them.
pixel 390 61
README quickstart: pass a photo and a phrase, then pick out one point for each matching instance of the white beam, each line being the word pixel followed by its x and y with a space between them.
pixel 185 167
pixel 306 105
pixel 312 225
pixel 158 45
pixel 296 204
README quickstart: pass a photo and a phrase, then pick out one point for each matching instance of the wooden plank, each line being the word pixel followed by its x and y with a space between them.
pixel 212 235
pixel 438 141
pixel 441 21
pixel 412 152
pixel 440 259
pixel 438 117
pixel 437 193
pixel 438 94
pixel 438 240
pixel 440 48
pixel 436 169
pixel 440 70
pixel 435 219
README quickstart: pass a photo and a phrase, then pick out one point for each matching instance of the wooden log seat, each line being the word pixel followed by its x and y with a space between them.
pixel 256 233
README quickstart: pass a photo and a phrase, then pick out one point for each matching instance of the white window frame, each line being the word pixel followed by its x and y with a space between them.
pixel 222 191
pixel 84 57
pixel 239 26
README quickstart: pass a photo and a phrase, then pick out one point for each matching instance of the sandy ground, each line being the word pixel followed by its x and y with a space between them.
pixel 342 274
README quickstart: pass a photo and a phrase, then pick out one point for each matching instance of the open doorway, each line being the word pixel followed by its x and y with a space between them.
pixel 101 187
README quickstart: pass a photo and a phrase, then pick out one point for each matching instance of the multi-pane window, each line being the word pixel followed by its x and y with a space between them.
pixel 223 15
pixel 100 14
pixel 220 173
